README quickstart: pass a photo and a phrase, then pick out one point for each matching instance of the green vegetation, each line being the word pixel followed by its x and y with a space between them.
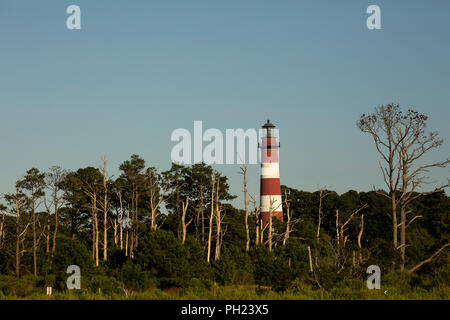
pixel 128 246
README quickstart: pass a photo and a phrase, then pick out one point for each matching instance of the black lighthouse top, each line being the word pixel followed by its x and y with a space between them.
pixel 269 127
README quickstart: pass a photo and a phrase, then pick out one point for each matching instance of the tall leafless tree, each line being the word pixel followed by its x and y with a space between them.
pixel 18 203
pixel 415 142
pixel 247 230
pixel 322 195
pixel 402 140
pixel 184 225
pixel 218 221
pixel 54 180
pixel 211 217
pixel 381 126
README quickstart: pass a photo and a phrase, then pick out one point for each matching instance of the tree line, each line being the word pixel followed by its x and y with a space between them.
pixel 137 222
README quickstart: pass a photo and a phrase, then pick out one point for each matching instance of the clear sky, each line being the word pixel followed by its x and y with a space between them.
pixel 137 70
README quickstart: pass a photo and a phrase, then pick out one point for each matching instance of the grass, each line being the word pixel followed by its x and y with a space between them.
pixel 244 293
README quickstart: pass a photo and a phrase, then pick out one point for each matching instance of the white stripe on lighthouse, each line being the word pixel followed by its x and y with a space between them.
pixel 276 203
pixel 270 170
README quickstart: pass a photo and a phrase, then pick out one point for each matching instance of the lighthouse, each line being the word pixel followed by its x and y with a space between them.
pixel 270 176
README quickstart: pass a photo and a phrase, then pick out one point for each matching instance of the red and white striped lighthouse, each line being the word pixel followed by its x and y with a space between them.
pixel 270 176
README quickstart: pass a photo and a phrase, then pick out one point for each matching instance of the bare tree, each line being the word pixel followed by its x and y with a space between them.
pixel 54 180
pixel 359 239
pixel 34 184
pixel 310 260
pixel 414 142
pixel 211 217
pixel 247 230
pixel 435 254
pixel 289 223
pixel 128 227
pixel 342 238
pixel 218 221
pixel 90 189
pixel 105 209
pixel 272 209
pixel 18 202
pixel 381 126
pixel 256 211
pixel 322 195
pixel 157 194
pixel 2 226
pixel 184 207
pixel 402 141
pixel 121 218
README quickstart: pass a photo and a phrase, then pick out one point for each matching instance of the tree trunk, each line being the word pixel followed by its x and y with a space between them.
pixel 310 260
pixel 247 231
pixel 202 215
pixel 47 237
pixel 270 225
pixel 96 230
pixel 218 223
pixel 183 219
pixel 261 240
pixel 34 241
pixel 394 221
pixel 257 226
pixel 116 236
pixel 18 230
pixel 359 239
pixel 320 217
pixel 403 237
pixel 137 221
pixel 2 231
pixel 121 220
pixel 105 214
pixel 288 223
pixel 208 255
pixel 55 232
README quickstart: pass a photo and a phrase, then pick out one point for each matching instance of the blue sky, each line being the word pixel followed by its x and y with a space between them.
pixel 137 70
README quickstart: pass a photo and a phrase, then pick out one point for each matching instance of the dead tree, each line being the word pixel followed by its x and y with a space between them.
pixel 272 209
pixel 310 260
pixel 289 223
pixel 322 195
pixel 184 207
pixel 342 238
pixel 54 180
pixel 247 231
pixel 359 239
pixel 128 227
pixel 2 226
pixel 435 254
pixel 218 221
pixel 105 208
pixel 90 190
pixel 121 219
pixel 256 211
pixel 157 195
pixel 18 202
pixel 211 217
pixel 381 126
pixel 414 143
pixel 401 140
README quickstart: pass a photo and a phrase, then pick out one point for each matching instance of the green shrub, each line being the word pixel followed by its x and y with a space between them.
pixel 105 285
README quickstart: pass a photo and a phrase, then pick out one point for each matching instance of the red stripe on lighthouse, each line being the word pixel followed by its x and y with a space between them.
pixel 269 155
pixel 270 186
